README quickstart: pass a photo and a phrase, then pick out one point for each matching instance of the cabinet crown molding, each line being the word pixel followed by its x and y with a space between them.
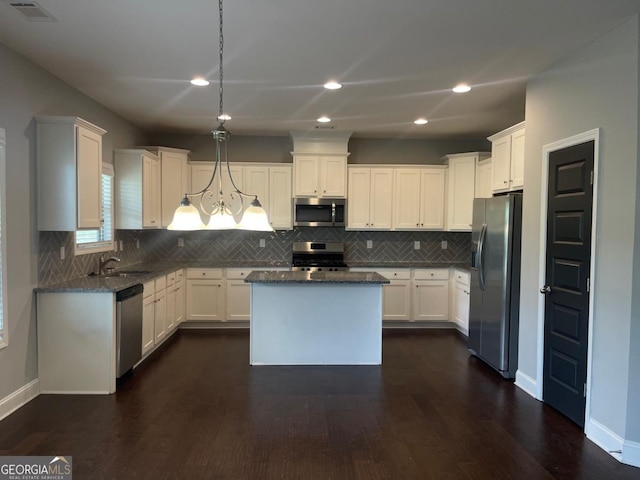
pixel 72 121
pixel 480 155
pixel 156 149
pixel 320 142
pixel 506 131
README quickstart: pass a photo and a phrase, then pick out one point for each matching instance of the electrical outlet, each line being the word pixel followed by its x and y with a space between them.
pixel 369 244
pixel 443 245
pixel 115 246
pixel 181 242
pixel 121 245
pixel 262 243
pixel 416 245
pixel 62 253
pixel 137 243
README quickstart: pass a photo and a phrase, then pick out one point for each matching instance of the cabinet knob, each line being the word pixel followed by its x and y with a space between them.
pixel 324 191
pixel 315 191
pixel 417 224
pixel 505 182
pixel 422 224
pixel 431 274
pixel 395 274
pixel 203 274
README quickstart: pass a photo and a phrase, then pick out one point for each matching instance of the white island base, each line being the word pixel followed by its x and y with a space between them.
pixel 316 324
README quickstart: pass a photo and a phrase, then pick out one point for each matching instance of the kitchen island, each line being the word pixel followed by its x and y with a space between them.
pixel 323 318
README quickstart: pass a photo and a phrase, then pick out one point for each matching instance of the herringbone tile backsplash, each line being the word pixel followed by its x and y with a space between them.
pixel 237 246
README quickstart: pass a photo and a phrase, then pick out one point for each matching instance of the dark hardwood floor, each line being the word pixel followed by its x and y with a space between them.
pixel 197 410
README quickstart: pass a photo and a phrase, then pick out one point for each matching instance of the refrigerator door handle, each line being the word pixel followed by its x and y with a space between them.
pixel 483 234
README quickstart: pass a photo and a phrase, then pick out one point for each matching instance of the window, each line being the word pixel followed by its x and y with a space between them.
pixel 101 240
pixel 4 338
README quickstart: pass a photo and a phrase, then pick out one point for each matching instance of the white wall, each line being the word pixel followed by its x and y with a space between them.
pixel 26 91
pixel 597 87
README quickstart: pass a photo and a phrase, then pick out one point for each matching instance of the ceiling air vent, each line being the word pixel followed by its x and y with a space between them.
pixel 32 11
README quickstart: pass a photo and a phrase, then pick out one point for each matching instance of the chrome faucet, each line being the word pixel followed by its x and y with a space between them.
pixel 102 266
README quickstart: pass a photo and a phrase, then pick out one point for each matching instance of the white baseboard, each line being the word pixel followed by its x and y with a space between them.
pixel 607 440
pixel 631 453
pixel 526 383
pixel 20 397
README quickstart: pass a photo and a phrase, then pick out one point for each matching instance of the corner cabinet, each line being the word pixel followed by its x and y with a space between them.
pixel 461 189
pixel 69 170
pixel 205 294
pixel 370 204
pixel 461 299
pixel 137 189
pixel 507 154
pixel 320 175
pixel 483 179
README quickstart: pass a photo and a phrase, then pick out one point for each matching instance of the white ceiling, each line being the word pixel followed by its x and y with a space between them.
pixel 397 59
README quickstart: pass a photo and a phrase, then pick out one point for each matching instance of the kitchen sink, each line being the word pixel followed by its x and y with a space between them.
pixel 128 273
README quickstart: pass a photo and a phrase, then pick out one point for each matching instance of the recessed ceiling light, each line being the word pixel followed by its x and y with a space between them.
pixel 224 117
pixel 332 85
pixel 421 121
pixel 199 82
pixel 324 119
pixel 461 88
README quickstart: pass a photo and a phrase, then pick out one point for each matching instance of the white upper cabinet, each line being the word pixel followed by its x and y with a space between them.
pixel 320 176
pixel 419 198
pixel 507 154
pixel 320 164
pixel 174 181
pixel 270 182
pixel 69 170
pixel 137 189
pixel 483 179
pixel 461 189
pixel 370 198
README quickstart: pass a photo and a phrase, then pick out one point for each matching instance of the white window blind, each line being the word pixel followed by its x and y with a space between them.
pixel 100 240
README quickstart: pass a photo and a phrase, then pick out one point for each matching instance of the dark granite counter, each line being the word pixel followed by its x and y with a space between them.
pixel 316 277
pixel 463 266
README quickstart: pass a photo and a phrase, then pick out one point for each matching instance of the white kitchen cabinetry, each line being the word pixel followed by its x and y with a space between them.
pixel 170 316
pixel 201 175
pixel 461 189
pixel 272 185
pixel 483 179
pixel 461 300
pixel 238 294
pixel 320 175
pixel 148 317
pixel 507 154
pixel 179 287
pixel 430 300
pixel 370 204
pixel 137 189
pixel 160 309
pixel 69 170
pixel 205 294
pixel 396 296
pixel 419 198
pixel 174 181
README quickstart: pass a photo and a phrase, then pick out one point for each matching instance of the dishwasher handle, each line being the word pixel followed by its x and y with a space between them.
pixel 123 295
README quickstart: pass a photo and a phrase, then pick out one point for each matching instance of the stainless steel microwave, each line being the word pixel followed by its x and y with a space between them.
pixel 319 212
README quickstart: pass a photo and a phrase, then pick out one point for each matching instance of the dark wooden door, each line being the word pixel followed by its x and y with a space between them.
pixel 568 260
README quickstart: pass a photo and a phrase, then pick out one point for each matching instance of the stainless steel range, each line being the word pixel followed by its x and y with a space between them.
pixel 318 257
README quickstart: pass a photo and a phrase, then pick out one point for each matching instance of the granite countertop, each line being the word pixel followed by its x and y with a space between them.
pixel 157 268
pixel 359 278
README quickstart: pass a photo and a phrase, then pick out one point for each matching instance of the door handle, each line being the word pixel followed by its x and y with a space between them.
pixel 546 290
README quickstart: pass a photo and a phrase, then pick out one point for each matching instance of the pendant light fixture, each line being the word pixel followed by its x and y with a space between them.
pixel 213 201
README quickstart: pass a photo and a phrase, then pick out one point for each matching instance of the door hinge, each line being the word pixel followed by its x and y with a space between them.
pixel 588 284
pixel 584 391
pixel 591 177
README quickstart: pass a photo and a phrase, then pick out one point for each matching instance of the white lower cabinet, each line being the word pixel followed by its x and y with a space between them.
pixel 179 286
pixel 160 309
pixel 205 294
pixel 170 315
pixel 148 317
pixel 430 300
pixel 461 298
pixel 396 296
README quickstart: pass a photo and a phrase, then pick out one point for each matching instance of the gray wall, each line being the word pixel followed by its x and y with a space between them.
pixel 244 148
pixel 26 91
pixel 597 87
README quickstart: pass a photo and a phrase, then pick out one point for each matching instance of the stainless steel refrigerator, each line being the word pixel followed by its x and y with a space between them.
pixel 495 281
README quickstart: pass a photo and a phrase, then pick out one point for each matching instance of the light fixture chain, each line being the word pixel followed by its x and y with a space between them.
pixel 221 109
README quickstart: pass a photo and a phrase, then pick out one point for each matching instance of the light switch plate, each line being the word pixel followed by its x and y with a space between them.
pixel 443 245
pixel 62 253
pixel 137 243
pixel 416 245
pixel 262 243
pixel 121 245
pixel 369 244
pixel 181 242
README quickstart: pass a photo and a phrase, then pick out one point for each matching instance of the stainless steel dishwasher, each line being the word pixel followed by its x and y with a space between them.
pixel 128 328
